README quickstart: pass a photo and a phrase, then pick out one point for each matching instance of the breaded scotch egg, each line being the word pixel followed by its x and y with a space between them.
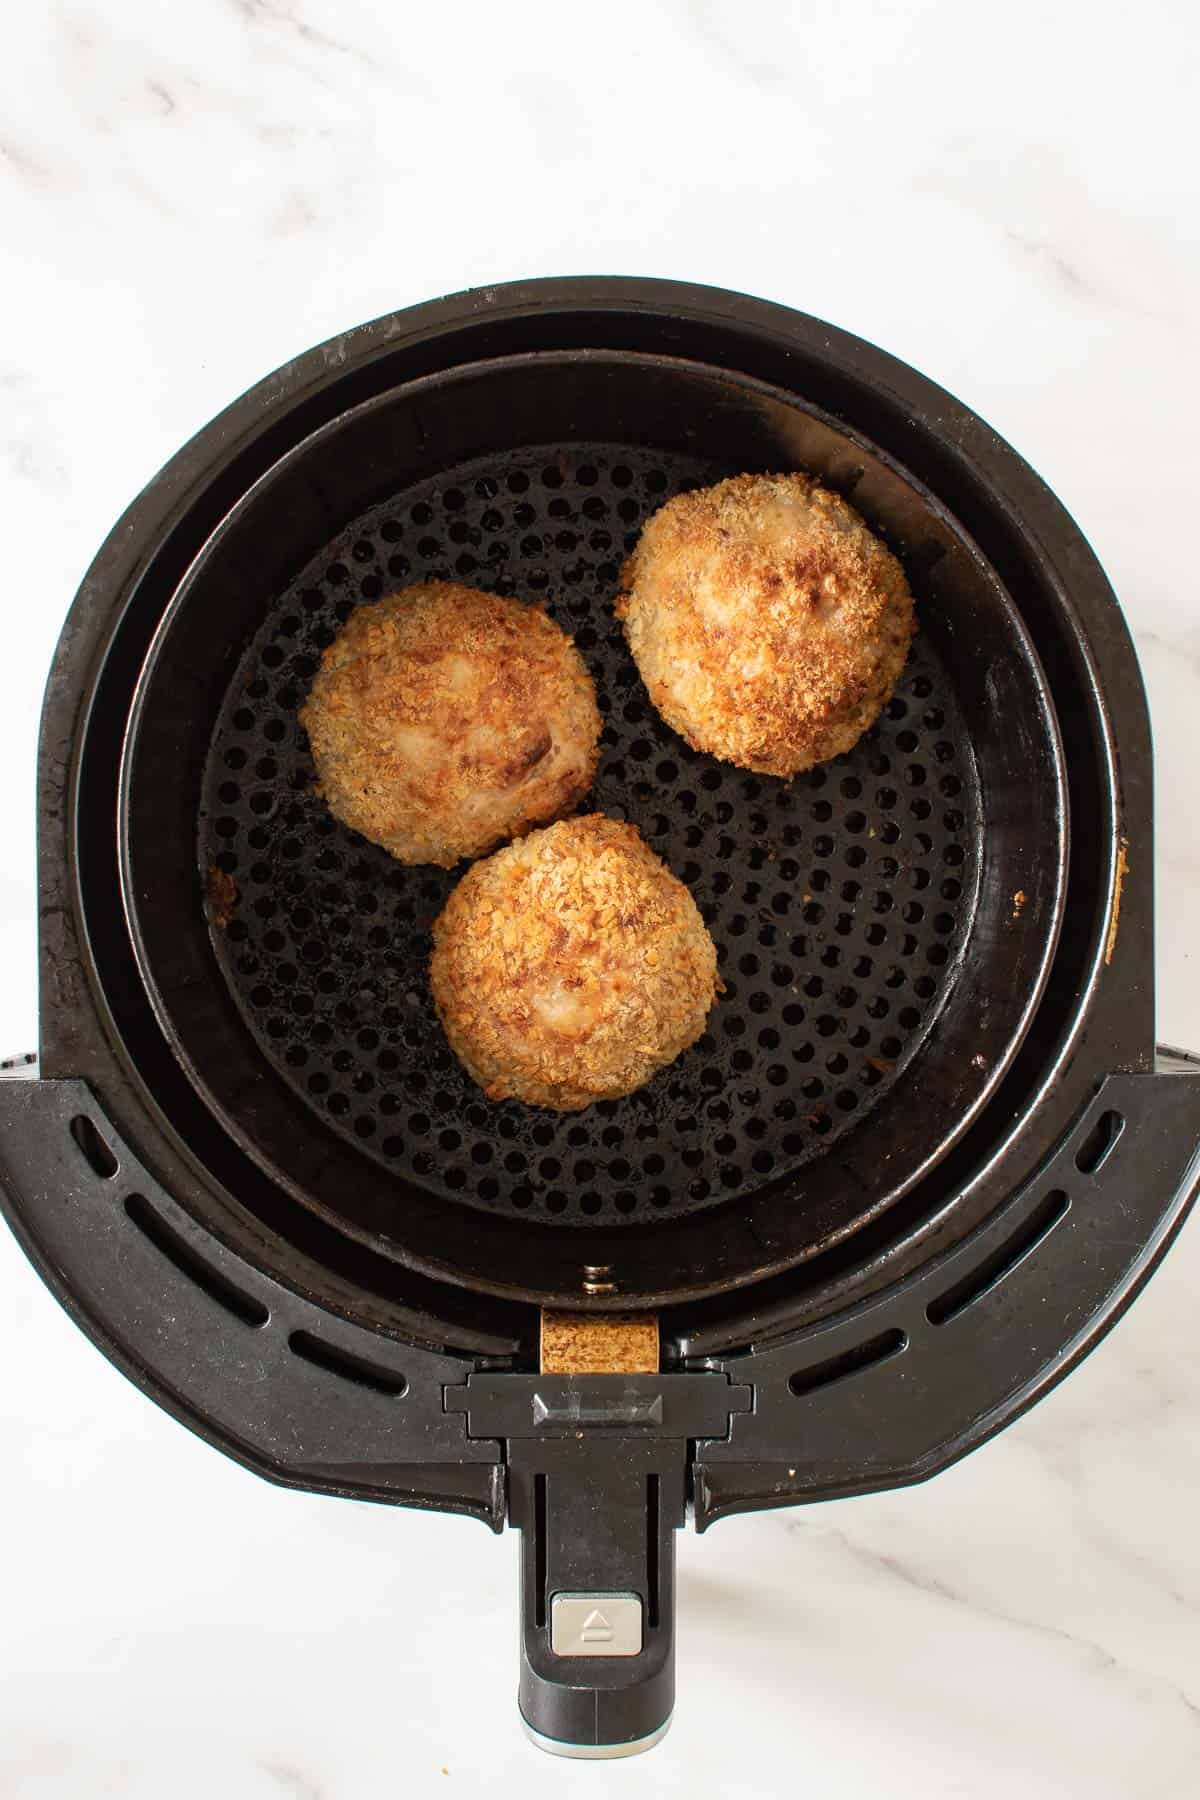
pixel 443 720
pixel 571 966
pixel 768 623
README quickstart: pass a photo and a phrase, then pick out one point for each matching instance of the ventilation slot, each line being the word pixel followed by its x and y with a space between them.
pixel 653 1508
pixel 1099 1143
pixel 349 1367
pixel 850 1362
pixel 539 1547
pixel 94 1148
pixel 180 1253
pixel 994 1269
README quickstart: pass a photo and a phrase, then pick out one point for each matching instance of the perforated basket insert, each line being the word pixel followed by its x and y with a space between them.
pixel 840 902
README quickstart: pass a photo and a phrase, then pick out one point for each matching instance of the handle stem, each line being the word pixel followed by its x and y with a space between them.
pixel 598 1517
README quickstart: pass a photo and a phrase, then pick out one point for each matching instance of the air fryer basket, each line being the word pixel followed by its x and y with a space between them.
pixel 884 924
pixel 924 1154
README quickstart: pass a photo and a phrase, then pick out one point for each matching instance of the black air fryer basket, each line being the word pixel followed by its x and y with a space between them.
pixel 926 1151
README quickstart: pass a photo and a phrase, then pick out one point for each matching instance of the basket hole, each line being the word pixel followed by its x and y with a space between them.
pixel 1099 1143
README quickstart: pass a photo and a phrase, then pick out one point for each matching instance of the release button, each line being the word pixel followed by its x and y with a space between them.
pixel 596 1625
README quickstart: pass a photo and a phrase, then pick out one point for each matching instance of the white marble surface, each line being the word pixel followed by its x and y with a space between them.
pixel 1007 197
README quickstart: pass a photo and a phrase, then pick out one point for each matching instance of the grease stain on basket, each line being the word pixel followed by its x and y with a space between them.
pixel 221 892
pixel 1119 874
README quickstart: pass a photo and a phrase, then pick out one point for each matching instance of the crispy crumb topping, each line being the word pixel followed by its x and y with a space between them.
pixel 571 966
pixel 769 624
pixel 443 720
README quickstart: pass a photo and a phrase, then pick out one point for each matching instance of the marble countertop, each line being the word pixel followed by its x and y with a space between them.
pixel 1007 198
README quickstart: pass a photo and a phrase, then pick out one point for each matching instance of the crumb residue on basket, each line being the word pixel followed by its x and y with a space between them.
pixel 599 1344
pixel 1019 899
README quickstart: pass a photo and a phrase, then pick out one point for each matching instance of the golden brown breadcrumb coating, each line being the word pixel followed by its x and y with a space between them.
pixel 444 720
pixel 571 966
pixel 768 623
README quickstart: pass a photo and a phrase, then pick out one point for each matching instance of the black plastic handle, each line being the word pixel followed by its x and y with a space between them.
pixel 598 1517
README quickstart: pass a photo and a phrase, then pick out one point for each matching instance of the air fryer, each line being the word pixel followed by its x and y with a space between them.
pixel 922 1158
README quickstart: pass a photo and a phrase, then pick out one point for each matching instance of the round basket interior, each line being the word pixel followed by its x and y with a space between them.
pixel 884 923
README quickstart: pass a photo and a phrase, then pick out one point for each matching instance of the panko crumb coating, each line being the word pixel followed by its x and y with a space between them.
pixel 571 966
pixel 444 720
pixel 769 624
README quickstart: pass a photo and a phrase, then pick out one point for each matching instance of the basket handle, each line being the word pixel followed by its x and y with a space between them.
pixel 598 1517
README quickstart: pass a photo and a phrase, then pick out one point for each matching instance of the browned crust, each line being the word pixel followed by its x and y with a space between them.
pixel 769 624
pixel 571 966
pixel 444 720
